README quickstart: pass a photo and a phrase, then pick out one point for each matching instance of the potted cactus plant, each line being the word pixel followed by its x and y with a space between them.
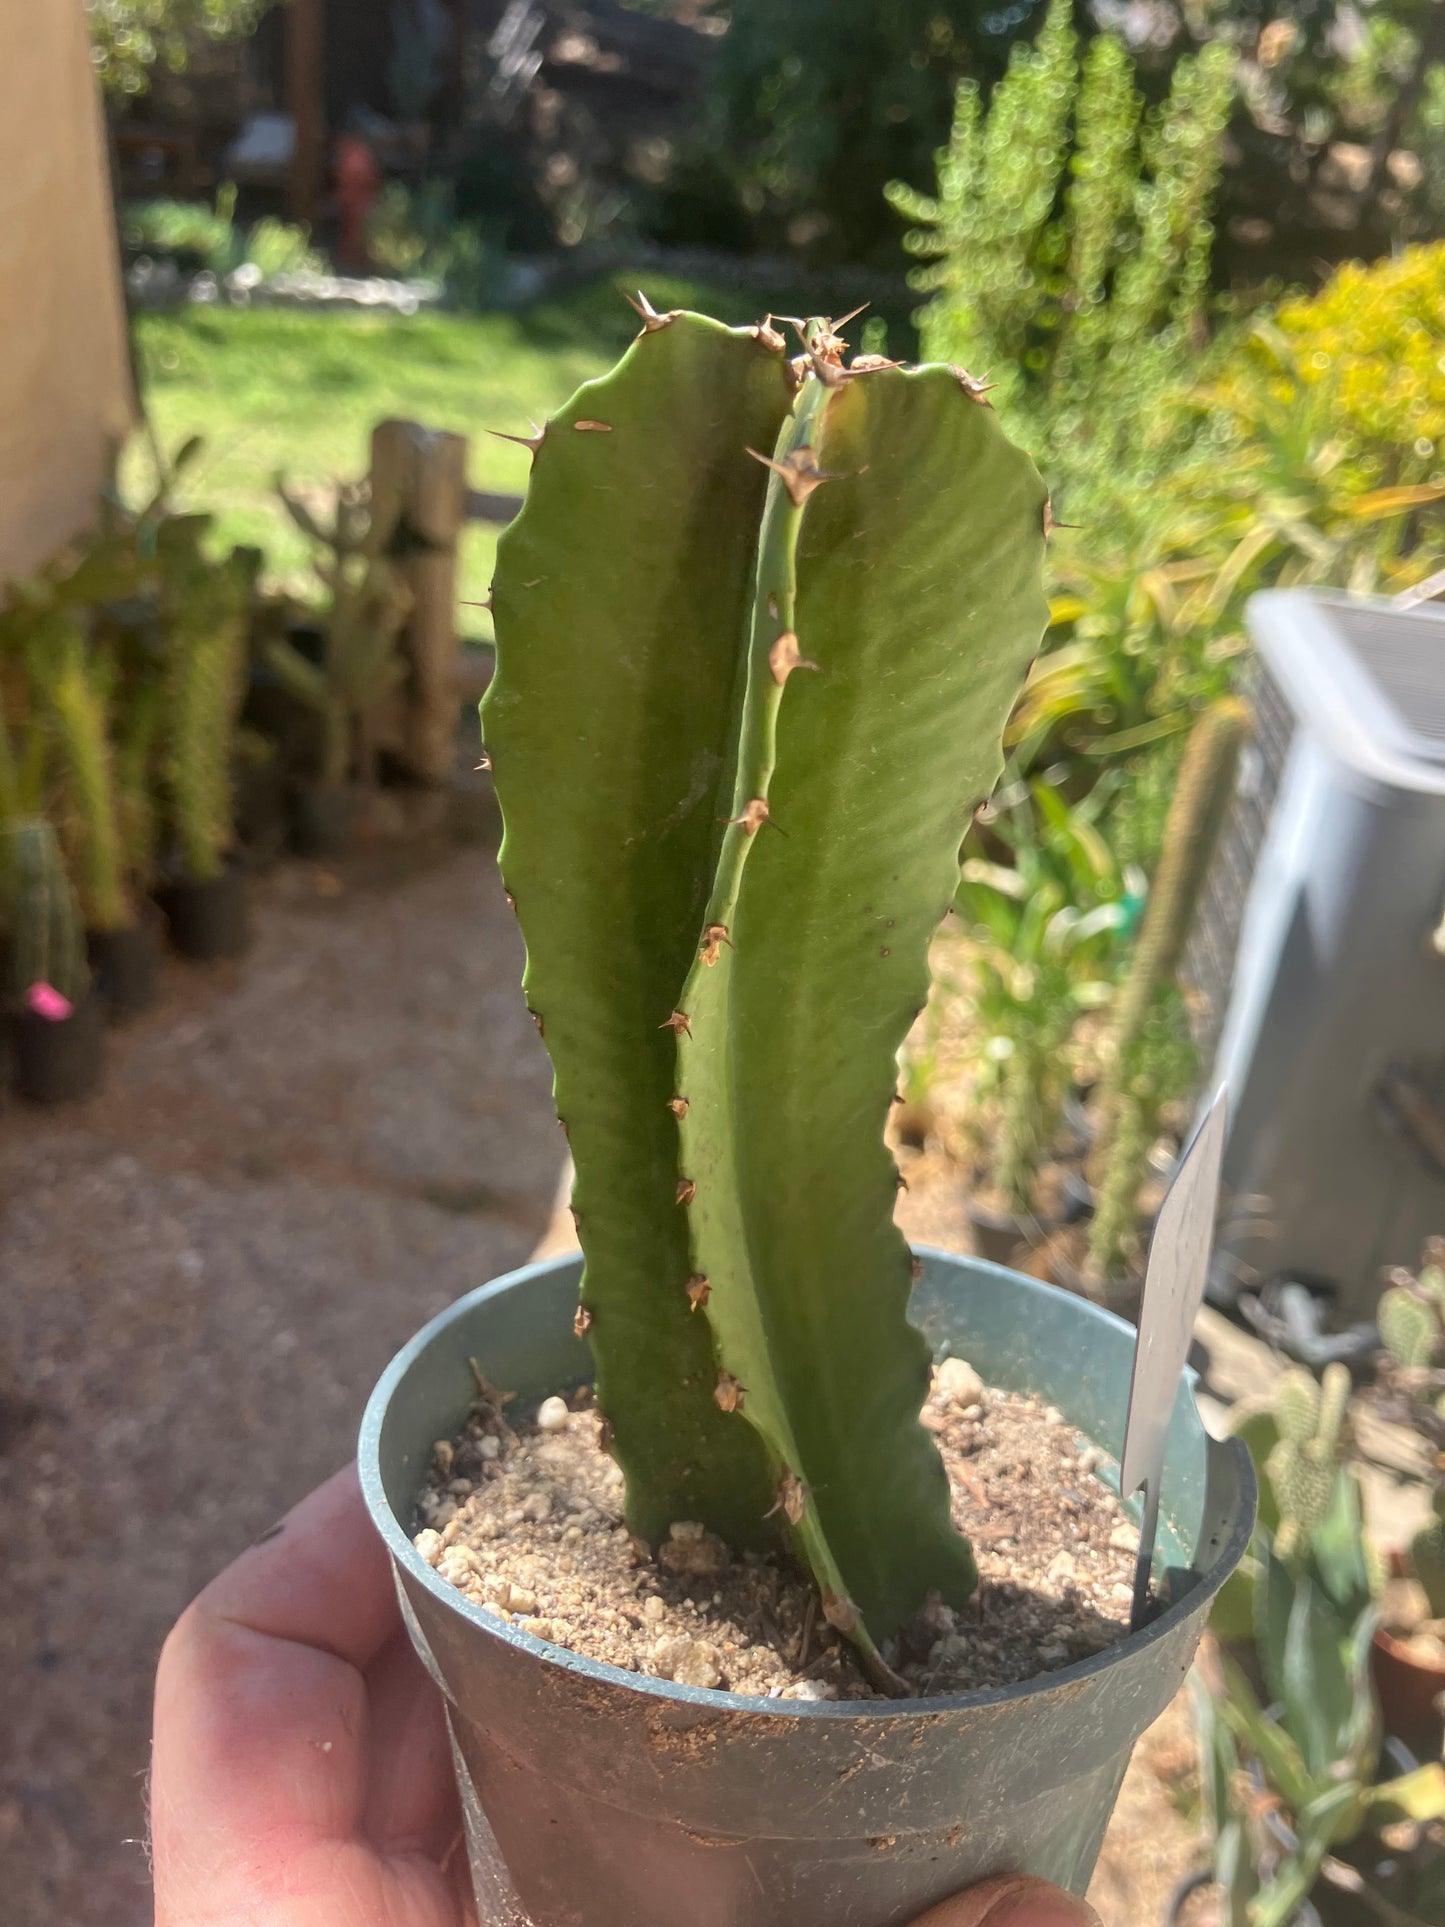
pixel 759 626
pixel 360 666
pixel 55 1017
pixel 1410 1653
pixel 204 614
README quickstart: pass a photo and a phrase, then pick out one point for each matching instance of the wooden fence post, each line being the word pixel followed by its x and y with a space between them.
pixel 419 506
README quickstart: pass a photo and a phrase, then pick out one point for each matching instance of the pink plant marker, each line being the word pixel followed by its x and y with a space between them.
pixel 46 1001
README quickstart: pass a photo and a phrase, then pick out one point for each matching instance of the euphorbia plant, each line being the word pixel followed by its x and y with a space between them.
pixel 758 627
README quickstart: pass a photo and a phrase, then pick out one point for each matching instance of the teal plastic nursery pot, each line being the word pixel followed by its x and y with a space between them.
pixel 596 1797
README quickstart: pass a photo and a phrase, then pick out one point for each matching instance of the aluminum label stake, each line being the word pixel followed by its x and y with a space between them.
pixel 1173 1291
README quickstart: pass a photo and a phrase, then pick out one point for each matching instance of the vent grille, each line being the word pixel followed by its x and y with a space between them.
pixel 1208 968
pixel 1404 657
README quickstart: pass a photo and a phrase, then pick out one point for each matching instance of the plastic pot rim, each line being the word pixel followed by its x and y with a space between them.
pixel 402 1551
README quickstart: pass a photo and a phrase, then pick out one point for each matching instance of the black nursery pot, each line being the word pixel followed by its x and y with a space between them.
pixel 598 1796
pixel 324 819
pixel 997 1235
pixel 207 916
pixel 124 963
pixel 58 1059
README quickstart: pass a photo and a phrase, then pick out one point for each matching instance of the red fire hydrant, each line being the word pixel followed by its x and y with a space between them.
pixel 358 179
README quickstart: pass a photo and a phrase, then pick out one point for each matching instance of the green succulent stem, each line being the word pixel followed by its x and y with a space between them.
pixel 82 733
pixel 741 717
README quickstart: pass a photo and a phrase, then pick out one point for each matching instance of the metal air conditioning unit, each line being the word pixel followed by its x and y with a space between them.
pixel 1320 953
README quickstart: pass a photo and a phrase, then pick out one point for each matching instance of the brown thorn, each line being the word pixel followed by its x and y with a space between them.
pixel 728 1394
pixel 699 1289
pixel 829 370
pixel 871 364
pixel 839 1612
pixel 486 762
pixel 977 387
pixel 713 937
pixel 900 1183
pixel 536 1018
pixel 754 816
pixel 679 1021
pixel 686 1191
pixel 485 603
pixel 917 1264
pixel 798 471
pixel 651 319
pixel 784 657
pixel 532 441
pixel 605 1433
pixel 768 335
pixel 582 1322
pixel 576 1217
pixel 678 1106
pixel 852 315
pixel 791 1499
pixel 511 900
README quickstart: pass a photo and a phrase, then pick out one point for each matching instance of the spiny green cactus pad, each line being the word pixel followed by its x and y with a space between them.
pixel 727 869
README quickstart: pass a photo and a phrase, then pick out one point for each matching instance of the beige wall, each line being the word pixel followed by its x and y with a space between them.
pixel 65 389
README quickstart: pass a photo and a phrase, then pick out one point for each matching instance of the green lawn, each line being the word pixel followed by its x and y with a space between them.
pixel 275 390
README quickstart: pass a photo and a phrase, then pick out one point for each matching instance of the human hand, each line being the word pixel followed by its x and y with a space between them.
pixel 301 1775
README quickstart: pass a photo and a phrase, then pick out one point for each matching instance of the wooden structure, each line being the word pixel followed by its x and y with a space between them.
pixel 66 397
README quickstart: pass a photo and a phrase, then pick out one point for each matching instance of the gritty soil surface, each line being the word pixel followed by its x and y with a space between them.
pixel 528 1523
pixel 294 1161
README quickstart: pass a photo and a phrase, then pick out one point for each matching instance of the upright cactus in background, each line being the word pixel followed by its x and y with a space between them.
pixel 205 607
pixel 1412 1325
pixel 42 919
pixel 758 629
pixel 1310 1418
pixel 65 674
pixel 1201 802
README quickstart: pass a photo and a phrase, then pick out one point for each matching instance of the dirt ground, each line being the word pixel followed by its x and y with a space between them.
pixel 296 1159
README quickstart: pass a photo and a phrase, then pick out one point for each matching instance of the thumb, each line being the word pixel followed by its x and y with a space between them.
pixel 1014 1900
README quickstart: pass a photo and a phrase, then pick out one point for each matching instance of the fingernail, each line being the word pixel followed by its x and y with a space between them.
pixel 1033 1903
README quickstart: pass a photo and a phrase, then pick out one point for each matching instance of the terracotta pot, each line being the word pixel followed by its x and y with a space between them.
pixel 1411 1690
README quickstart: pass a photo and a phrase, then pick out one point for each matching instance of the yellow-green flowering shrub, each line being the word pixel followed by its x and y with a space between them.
pixel 1375 338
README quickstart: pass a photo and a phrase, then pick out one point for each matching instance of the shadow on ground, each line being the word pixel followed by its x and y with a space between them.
pixel 296 1160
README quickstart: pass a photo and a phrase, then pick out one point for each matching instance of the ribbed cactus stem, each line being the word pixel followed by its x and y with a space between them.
pixel 1304 1464
pixel 1114 1226
pixel 728 875
pixel 1427 1560
pixel 46 946
pixel 83 736
pixel 1196 816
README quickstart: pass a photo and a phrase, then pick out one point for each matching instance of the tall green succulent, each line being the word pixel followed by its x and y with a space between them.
pixel 205 612
pixel 362 663
pixel 1411 1317
pixel 758 628
pixel 1125 1107
pixel 41 916
pixel 69 682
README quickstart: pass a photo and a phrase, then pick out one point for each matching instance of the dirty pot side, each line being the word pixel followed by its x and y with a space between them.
pixel 598 1798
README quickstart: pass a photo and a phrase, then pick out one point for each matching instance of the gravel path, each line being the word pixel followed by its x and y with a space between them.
pixel 296 1159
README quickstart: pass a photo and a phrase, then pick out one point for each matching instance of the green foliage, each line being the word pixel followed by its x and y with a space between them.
pixel 1292 1790
pixel 42 918
pixel 724 999
pixel 1411 1318
pixel 205 608
pixel 202 237
pixel 414 232
pixel 1203 794
pixel 129 38
pixel 816 104
pixel 1047 931
pixel 1069 238
pixel 362 663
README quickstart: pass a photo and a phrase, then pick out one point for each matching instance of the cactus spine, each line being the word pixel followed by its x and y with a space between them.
pixel 727 874
pixel 1196 817
pixel 1310 1418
